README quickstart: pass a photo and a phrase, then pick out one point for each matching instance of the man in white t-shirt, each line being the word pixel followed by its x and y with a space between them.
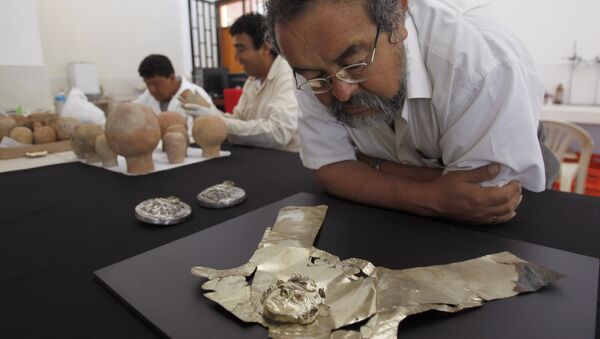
pixel 164 87
pixel 429 107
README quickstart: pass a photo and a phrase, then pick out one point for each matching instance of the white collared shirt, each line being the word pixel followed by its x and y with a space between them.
pixel 267 112
pixel 473 98
pixel 174 105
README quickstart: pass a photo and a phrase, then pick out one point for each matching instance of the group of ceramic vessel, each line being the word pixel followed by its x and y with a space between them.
pixel 134 131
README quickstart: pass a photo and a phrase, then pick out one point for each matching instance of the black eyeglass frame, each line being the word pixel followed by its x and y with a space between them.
pixel 341 74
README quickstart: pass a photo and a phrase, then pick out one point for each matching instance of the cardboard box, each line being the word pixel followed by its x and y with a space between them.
pixel 20 152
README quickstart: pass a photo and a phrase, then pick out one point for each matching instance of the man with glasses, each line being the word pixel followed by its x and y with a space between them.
pixel 429 107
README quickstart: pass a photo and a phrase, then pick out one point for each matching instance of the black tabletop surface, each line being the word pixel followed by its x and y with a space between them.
pixel 59 224
pixel 158 284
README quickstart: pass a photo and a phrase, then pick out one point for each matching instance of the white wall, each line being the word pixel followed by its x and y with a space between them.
pixel 19 34
pixel 549 29
pixel 114 34
pixel 118 34
pixel 23 75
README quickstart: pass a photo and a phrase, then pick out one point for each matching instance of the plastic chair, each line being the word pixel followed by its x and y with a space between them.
pixel 559 137
pixel 232 96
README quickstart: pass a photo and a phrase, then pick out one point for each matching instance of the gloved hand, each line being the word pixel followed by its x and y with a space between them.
pixel 189 97
pixel 196 110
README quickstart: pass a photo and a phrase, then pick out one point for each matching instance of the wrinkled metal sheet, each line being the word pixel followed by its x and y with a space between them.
pixel 355 290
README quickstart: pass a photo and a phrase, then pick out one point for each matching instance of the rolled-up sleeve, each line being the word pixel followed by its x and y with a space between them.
pixel 324 139
pixel 496 121
pixel 274 126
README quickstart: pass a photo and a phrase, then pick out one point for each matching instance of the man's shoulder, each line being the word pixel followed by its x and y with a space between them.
pixel 144 98
pixel 453 30
pixel 186 84
pixel 425 8
pixel 463 35
pixel 280 69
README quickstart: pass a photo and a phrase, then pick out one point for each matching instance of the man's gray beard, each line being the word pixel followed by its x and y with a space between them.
pixel 385 109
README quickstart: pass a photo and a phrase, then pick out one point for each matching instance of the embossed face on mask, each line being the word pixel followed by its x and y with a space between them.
pixel 294 301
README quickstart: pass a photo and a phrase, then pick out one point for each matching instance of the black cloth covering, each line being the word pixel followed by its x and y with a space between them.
pixel 58 224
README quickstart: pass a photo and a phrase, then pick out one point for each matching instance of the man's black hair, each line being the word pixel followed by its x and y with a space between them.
pixel 254 25
pixel 156 65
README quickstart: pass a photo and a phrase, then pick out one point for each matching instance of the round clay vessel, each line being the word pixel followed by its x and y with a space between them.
pixel 209 132
pixel 132 130
pixel 44 135
pixel 180 129
pixel 43 118
pixel 84 142
pixel 6 125
pixel 108 156
pixel 176 146
pixel 167 119
pixel 65 127
pixel 22 134
pixel 24 121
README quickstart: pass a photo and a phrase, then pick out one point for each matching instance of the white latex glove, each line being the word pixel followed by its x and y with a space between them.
pixel 200 111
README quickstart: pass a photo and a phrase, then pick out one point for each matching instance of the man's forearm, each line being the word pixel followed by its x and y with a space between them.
pixel 356 181
pixel 414 173
pixel 456 195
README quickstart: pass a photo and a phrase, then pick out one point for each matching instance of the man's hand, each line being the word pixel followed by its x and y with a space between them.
pixel 195 105
pixel 458 195
pixel 189 97
pixel 200 111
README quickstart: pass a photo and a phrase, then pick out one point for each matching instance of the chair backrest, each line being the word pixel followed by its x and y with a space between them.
pixel 559 136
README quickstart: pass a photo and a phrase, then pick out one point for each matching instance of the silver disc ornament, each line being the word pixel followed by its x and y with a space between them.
pixel 222 195
pixel 163 211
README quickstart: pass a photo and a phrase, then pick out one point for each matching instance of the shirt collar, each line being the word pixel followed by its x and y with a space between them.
pixel 274 68
pixel 418 84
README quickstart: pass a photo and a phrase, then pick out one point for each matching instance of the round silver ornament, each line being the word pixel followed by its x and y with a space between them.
pixel 163 211
pixel 222 195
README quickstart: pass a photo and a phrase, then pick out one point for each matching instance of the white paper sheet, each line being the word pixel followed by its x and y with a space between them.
pixel 161 162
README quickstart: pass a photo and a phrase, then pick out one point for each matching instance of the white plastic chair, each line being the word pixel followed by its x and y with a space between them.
pixel 560 135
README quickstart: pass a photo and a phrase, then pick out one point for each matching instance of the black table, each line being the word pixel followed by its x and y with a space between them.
pixel 59 224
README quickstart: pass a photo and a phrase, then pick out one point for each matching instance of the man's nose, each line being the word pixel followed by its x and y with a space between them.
pixel 342 91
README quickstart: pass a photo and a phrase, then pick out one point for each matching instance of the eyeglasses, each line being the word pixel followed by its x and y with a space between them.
pixel 351 74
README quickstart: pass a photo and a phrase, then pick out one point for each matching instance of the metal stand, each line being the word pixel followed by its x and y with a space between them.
pixel 597 86
pixel 575 60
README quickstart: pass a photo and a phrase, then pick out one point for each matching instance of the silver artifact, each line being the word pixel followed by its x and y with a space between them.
pixel 222 195
pixel 297 290
pixel 163 211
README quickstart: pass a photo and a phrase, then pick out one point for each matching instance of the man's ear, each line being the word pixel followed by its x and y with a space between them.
pixel 399 32
pixel 268 45
pixel 265 48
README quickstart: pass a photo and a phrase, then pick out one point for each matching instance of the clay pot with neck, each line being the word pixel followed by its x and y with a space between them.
pixel 108 156
pixel 133 131
pixel 84 142
pixel 209 132
pixel 175 145
pixel 65 127
pixel 168 119
pixel 180 129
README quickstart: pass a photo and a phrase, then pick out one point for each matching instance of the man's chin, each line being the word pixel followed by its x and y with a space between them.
pixel 361 119
pixel 359 111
